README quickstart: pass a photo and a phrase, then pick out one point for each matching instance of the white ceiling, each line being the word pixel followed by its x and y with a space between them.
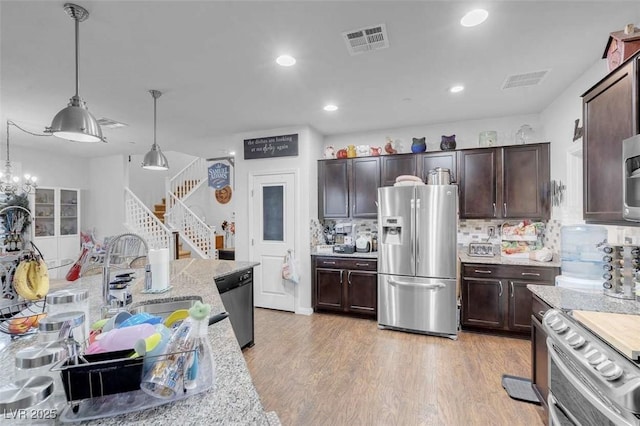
pixel 214 62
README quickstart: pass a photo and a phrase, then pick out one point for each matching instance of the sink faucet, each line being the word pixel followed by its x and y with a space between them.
pixel 106 270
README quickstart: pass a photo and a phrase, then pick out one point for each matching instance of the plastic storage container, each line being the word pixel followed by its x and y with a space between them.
pixel 580 253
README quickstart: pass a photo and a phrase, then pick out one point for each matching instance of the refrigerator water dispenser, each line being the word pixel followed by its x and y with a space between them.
pixel 392 230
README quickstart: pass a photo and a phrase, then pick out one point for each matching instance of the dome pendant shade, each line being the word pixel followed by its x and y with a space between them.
pixel 155 159
pixel 76 123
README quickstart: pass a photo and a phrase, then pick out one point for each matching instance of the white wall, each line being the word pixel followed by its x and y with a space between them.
pixel 309 145
pixel 558 122
pixel 466 133
pixel 105 196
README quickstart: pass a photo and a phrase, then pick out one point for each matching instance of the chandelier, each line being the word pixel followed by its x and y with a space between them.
pixel 9 183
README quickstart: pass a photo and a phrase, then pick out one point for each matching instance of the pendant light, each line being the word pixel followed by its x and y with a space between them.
pixel 155 159
pixel 75 122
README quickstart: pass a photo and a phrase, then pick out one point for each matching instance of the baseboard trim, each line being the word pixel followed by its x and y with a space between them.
pixel 304 311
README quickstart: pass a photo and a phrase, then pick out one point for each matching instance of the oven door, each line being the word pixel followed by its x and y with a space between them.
pixel 574 399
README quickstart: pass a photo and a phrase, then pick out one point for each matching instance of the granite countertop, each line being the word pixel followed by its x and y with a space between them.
pixel 232 400
pixel 568 300
pixel 504 260
pixel 368 255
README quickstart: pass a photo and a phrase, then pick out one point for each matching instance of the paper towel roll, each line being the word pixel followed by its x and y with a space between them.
pixel 159 261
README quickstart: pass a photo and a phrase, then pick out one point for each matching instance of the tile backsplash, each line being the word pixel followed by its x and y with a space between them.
pixel 469 230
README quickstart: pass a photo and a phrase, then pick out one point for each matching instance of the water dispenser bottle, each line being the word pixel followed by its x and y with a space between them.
pixel 581 251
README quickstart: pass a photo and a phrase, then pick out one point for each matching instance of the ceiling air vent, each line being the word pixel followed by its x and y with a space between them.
pixel 366 39
pixel 108 123
pixel 527 79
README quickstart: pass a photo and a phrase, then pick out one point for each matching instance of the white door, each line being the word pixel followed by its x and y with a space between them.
pixel 272 234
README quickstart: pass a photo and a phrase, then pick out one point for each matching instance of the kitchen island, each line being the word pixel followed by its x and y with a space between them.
pixel 567 299
pixel 232 400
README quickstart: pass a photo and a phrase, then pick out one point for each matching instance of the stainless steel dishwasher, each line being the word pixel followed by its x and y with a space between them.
pixel 236 291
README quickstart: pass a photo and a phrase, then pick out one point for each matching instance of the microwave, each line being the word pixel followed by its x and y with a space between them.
pixel 631 178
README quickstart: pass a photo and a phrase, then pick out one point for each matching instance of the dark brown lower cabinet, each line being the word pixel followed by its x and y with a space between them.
pixel 495 298
pixel 346 285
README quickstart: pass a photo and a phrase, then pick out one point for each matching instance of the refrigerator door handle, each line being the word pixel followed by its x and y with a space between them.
pixel 413 235
pixel 417 232
pixel 435 286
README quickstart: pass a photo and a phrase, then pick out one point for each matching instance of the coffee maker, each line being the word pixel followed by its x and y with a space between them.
pixel 345 238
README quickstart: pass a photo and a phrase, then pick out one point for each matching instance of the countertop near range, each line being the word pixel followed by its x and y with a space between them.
pixel 568 300
pixel 232 400
pixel 504 260
pixel 368 255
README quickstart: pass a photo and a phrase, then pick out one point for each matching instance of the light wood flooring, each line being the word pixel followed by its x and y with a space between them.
pixel 327 369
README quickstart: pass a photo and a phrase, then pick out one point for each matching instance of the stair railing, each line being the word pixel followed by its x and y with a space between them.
pixel 140 220
pixel 197 234
pixel 187 180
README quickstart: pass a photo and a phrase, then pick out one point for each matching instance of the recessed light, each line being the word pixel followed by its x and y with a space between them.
pixel 330 108
pixel 232 153
pixel 457 88
pixel 286 60
pixel 473 18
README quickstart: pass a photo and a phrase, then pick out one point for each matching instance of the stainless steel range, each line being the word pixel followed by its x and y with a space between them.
pixel 590 383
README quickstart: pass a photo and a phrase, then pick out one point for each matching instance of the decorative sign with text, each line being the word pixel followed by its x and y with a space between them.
pixel 272 146
pixel 219 175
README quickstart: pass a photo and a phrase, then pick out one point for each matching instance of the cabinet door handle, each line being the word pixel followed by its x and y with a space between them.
pixel 349 277
pixel 481 271
pixel 504 209
pixel 362 264
pixel 530 274
pixel 500 294
pixel 541 313
pixel 511 287
pixel 341 277
pixel 494 209
pixel 328 263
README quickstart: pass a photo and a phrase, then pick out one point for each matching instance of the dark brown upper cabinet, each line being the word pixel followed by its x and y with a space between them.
pixel 348 188
pixel 417 165
pixel 507 182
pixel 610 115
pixel 478 171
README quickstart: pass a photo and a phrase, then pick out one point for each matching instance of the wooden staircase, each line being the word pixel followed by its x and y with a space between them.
pixel 159 210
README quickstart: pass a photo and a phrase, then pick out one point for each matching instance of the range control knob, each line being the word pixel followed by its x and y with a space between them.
pixel 595 357
pixel 609 370
pixel 575 340
pixel 559 326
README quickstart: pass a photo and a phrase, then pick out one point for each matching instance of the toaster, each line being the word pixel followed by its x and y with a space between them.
pixel 481 250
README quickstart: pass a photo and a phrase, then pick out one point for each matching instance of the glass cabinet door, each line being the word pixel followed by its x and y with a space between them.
pixel 68 212
pixel 45 212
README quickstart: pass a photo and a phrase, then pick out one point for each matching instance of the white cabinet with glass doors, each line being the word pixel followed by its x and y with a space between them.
pixel 57 227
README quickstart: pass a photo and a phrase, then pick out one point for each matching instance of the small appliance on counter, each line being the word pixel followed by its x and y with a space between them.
pixel 363 244
pixel 481 249
pixel 344 248
pixel 344 240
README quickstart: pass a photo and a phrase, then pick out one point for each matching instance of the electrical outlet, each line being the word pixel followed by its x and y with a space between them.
pixel 491 231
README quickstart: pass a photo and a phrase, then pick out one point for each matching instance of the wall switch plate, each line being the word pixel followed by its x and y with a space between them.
pixel 491 231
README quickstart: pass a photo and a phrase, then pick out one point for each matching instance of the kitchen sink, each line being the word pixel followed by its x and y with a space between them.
pixel 164 307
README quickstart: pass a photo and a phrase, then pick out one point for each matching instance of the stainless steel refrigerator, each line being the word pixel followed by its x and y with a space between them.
pixel 417 258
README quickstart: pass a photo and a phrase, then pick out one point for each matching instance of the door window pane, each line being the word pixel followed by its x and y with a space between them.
pixel 273 213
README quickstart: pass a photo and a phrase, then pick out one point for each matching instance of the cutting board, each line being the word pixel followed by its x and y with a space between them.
pixel 622 331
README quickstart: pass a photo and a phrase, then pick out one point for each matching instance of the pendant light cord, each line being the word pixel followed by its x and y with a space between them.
pixel 155 101
pixel 77 60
